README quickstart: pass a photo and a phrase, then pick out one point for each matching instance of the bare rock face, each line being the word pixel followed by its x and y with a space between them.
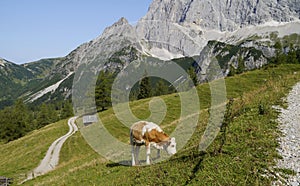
pixel 185 26
pixel 114 38
pixel 2 62
pixel 177 28
pixel 219 59
pixel 226 15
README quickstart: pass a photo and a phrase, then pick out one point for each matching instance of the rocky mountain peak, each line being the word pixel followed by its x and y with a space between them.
pixel 120 27
pixel 121 21
pixel 185 26
pixel 226 15
pixel 114 38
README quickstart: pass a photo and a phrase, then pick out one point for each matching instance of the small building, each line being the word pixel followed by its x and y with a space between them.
pixel 89 119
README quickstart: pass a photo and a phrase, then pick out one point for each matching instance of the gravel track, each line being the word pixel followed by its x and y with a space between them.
pixel 289 125
pixel 51 158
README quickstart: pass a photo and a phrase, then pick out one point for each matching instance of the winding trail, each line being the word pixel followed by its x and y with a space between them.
pixel 289 125
pixel 51 158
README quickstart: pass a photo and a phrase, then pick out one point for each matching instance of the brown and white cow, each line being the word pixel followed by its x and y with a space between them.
pixel 148 133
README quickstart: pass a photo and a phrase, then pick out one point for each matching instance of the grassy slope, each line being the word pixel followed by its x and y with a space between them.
pixel 19 157
pixel 248 152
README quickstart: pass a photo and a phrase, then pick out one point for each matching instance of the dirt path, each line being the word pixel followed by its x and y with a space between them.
pixel 289 149
pixel 51 158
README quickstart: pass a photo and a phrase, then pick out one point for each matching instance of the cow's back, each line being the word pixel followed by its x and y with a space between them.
pixel 144 132
pixel 136 131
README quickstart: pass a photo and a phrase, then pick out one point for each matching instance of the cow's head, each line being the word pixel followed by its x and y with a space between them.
pixel 171 146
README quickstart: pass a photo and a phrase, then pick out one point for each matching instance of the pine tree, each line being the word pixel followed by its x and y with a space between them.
pixel 292 55
pixel 241 65
pixel 14 121
pixel 145 87
pixel 278 47
pixel 103 90
pixel 161 88
pixel 280 57
pixel 53 114
pixel 67 110
pixel 193 76
pixel 133 94
pixel 232 70
pixel 43 116
pixel 20 117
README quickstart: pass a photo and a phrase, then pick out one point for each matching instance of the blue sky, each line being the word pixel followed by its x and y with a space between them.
pixel 35 29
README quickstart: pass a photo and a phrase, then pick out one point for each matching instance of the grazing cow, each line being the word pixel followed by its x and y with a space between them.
pixel 148 133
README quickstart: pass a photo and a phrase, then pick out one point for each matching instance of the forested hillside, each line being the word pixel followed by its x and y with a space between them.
pixel 18 120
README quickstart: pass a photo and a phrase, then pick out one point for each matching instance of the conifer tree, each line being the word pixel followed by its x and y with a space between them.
pixel 103 90
pixel 20 118
pixel 280 57
pixel 161 88
pixel 43 116
pixel 145 87
pixel 241 65
pixel 193 76
pixel 67 110
pixel 292 55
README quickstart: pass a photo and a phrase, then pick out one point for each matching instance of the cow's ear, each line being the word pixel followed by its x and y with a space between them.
pixel 173 140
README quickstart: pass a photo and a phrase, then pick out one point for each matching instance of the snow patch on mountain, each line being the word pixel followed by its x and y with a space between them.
pixel 163 54
pixel 51 89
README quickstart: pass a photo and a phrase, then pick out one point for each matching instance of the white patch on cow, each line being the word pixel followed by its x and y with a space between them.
pixel 151 126
pixel 157 146
pixel 171 149
pixel 140 141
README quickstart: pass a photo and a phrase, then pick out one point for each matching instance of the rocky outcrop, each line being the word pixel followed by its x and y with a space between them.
pixel 219 60
pixel 226 15
pixel 2 63
pixel 114 38
pixel 185 26
pixel 178 28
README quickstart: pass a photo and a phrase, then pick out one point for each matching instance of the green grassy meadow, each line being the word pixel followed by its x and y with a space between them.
pixel 248 154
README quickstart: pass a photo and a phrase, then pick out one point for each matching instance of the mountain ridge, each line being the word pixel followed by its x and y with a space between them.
pixel 224 15
pixel 172 29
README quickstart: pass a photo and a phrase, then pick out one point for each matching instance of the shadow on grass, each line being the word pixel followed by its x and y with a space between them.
pixel 188 155
pixel 125 163
pixel 185 157
pixel 196 168
pixel 194 156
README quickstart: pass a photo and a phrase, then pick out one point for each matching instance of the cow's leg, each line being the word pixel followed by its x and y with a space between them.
pixel 148 154
pixel 133 155
pixel 137 151
pixel 158 153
